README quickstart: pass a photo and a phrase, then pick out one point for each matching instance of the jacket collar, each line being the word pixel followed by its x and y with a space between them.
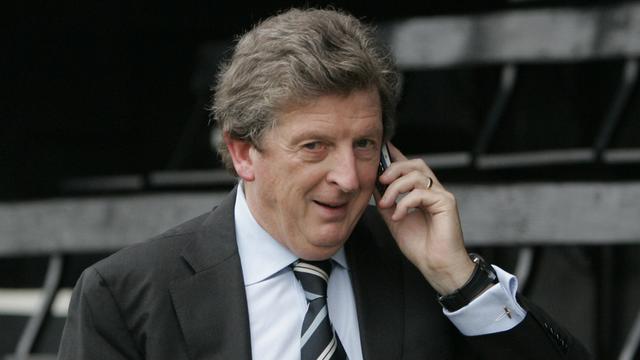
pixel 377 280
pixel 211 303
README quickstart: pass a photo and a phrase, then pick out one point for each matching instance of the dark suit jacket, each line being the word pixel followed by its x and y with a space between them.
pixel 181 296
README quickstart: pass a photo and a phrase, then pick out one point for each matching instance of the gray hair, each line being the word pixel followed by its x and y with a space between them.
pixel 293 57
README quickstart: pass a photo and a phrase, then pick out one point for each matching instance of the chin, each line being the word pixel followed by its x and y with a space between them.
pixel 331 237
pixel 321 248
pixel 318 253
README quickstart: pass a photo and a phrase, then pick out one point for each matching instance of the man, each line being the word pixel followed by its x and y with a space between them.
pixel 294 264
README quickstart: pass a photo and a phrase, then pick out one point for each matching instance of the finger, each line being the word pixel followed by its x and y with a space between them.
pixel 432 202
pixel 403 184
pixel 402 168
pixel 415 199
pixel 395 153
pixel 398 159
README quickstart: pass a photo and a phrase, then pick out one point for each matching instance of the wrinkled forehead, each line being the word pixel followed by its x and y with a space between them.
pixel 357 112
pixel 298 102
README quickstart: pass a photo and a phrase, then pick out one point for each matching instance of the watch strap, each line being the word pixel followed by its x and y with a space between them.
pixel 482 277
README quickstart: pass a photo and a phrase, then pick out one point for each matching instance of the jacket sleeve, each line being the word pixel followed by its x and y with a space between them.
pixel 536 337
pixel 95 328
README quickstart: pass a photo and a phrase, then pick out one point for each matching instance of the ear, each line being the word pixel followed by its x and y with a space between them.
pixel 240 152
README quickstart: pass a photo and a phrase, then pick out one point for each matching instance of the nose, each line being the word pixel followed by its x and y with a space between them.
pixel 343 172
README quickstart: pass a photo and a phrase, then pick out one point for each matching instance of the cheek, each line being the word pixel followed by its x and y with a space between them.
pixel 294 185
pixel 306 178
pixel 269 184
pixel 368 174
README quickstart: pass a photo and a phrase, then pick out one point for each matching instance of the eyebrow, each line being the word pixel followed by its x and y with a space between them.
pixel 373 132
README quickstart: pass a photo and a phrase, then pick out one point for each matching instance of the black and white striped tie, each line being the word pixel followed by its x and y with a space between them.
pixel 319 340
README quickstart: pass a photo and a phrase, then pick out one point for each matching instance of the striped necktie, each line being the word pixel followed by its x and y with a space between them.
pixel 319 340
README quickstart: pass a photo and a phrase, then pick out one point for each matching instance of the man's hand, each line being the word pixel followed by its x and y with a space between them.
pixel 424 222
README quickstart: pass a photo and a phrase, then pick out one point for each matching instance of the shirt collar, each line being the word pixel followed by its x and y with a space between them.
pixel 261 255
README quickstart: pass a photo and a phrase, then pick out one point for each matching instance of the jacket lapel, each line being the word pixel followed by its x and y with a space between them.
pixel 377 285
pixel 211 304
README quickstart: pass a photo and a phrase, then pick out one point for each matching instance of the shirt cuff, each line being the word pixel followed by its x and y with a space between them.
pixel 493 311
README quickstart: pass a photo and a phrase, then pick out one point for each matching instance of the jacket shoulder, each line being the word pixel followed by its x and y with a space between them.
pixel 152 253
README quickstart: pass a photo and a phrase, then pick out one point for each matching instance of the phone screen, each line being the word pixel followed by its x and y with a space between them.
pixel 385 161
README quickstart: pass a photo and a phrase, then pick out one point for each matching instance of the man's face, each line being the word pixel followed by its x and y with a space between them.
pixel 316 172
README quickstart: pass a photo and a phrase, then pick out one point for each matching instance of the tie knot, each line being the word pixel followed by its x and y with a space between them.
pixel 313 276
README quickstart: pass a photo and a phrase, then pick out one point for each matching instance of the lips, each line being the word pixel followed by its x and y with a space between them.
pixel 331 210
pixel 332 205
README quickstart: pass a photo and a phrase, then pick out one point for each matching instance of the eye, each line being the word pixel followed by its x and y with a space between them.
pixel 363 143
pixel 314 146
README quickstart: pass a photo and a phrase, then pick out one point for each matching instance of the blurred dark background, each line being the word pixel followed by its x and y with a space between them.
pixel 105 88
pixel 102 90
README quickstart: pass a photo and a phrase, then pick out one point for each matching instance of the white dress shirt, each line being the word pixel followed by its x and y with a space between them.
pixel 277 304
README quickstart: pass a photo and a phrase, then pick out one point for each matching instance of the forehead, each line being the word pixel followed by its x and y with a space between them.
pixel 356 111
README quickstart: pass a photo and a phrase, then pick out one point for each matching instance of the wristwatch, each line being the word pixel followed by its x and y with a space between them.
pixel 483 276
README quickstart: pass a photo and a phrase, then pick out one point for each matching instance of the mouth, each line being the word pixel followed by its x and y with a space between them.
pixel 331 205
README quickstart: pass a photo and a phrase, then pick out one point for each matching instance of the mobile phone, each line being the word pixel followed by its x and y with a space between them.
pixel 385 162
